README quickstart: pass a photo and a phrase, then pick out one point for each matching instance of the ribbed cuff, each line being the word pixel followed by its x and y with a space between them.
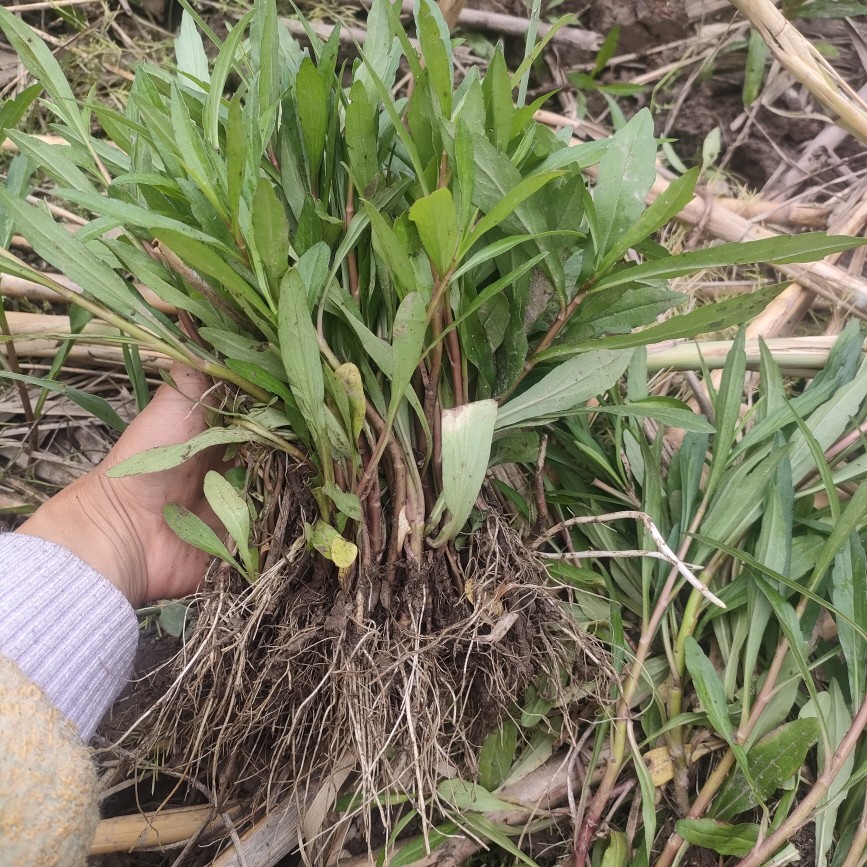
pixel 66 626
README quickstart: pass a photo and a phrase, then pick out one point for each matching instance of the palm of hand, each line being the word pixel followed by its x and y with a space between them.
pixel 116 525
pixel 168 566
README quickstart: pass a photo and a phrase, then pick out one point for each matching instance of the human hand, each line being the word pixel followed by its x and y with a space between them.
pixel 116 526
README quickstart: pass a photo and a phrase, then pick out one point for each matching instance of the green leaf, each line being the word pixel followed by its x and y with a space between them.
pixel 40 62
pixel 271 232
pixel 499 107
pixel 711 694
pixel 436 220
pixel 361 137
pixel 436 48
pixel 664 208
pixel 197 533
pixel 96 406
pixel 565 387
pixel 507 205
pixel 299 349
pixel 722 838
pixel 773 760
pixel 14 108
pixel 312 102
pixel 498 753
pixel 470 796
pixel 617 852
pixel 190 54
pixel 780 250
pixel 72 258
pixel 161 458
pixel 349 377
pixel 390 248
pixel 53 160
pixel 232 510
pixel 209 262
pixel 754 70
pixel 849 594
pixel 347 503
pixel 665 410
pixel 710 317
pixel 173 618
pixel 851 519
pixel 627 171
pixel 467 433
pixel 222 67
pixel 497 834
pixel 727 408
pixel 495 177
pixel 832 707
pixel 408 331
pixel 464 169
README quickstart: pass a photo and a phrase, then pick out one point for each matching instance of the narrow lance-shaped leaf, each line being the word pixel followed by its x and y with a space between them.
pixel 627 171
pixel 565 387
pixel 192 529
pixel 96 406
pixel 773 760
pixel 190 54
pixel 467 433
pixel 436 47
pixel 711 317
pixel 410 324
pixel 167 457
pixel 361 140
pixel 711 693
pixel 299 349
pixel 312 102
pixel 782 250
pixel 232 510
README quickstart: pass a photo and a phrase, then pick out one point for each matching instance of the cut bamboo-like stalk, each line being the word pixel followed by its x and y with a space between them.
pixel 144 830
pixel 19 287
pixel 781 213
pixel 38 335
pixel 797 55
pixel 795 355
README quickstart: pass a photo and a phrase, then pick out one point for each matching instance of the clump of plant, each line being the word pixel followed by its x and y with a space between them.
pixel 391 292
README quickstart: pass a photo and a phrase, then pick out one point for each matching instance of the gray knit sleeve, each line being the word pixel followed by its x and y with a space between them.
pixel 66 626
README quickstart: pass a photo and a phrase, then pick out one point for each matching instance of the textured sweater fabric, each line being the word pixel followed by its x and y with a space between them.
pixel 48 797
pixel 66 627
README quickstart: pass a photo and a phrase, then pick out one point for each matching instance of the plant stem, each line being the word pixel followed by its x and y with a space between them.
pixel 619 731
pixel 717 778
pixel 12 358
pixel 857 856
pixel 806 808
pixel 352 259
pixel 556 326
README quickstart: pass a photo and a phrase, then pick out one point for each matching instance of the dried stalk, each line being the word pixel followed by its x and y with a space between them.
pixel 145 830
pixel 800 58
pixel 18 287
pixel 513 25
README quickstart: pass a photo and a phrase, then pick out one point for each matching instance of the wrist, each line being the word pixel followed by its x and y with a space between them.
pixel 96 527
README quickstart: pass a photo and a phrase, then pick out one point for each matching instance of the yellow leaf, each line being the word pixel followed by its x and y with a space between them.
pixel 349 378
